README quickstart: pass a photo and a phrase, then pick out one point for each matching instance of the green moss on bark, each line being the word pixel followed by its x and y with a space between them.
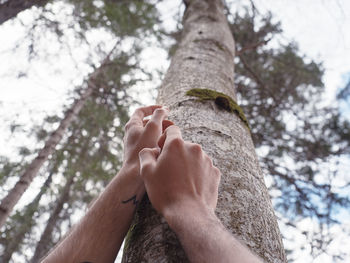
pixel 129 235
pixel 136 228
pixel 222 100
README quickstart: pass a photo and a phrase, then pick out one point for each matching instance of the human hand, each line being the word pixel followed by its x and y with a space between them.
pixel 181 177
pixel 140 133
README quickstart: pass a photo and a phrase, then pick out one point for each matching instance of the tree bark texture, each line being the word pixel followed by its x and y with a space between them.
pixel 44 244
pixel 11 8
pixel 204 59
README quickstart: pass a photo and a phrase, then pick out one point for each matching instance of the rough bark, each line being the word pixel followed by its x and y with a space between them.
pixel 204 59
pixel 12 8
pixel 15 242
pixel 44 244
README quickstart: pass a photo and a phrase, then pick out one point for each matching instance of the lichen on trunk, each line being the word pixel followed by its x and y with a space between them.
pixel 204 60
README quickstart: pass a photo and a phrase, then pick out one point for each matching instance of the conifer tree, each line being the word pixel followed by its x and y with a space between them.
pixel 199 89
pixel 11 199
pixel 10 8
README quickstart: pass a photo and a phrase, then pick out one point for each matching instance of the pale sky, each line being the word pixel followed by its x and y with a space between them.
pixel 320 27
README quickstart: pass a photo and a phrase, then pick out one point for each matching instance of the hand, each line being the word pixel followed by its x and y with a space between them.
pixel 140 133
pixel 182 185
pixel 118 201
pixel 179 178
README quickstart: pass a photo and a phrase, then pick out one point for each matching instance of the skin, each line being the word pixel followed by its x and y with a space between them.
pixel 182 184
pixel 100 233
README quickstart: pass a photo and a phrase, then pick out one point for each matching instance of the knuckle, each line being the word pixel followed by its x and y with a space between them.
pixel 176 142
pixel 143 151
pixel 196 148
pixel 217 172
pixel 138 110
pixel 127 126
pixel 145 169
pixel 152 125
pixel 208 160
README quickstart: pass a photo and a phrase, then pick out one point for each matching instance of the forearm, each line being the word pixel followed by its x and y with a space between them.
pixel 205 239
pixel 99 235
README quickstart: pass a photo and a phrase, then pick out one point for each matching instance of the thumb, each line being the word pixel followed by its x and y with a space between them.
pixel 148 158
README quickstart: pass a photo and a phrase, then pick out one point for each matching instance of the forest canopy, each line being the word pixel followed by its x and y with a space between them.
pixel 106 53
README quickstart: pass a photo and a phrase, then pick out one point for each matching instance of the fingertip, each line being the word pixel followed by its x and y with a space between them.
pixel 173 130
pixel 156 121
pixel 161 112
pixel 144 152
pixel 166 124
pixel 166 107
pixel 161 141
pixel 142 112
pixel 154 108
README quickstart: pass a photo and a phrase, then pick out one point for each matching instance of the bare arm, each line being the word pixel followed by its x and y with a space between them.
pixel 99 235
pixel 205 239
pixel 182 185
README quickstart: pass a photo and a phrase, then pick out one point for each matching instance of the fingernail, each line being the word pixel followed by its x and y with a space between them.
pixel 166 108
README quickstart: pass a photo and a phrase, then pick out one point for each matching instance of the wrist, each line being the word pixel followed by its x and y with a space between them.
pixel 132 164
pixel 130 172
pixel 184 215
pixel 131 168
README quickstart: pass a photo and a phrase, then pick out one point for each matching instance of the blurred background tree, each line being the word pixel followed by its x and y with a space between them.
pixel 299 138
pixel 302 142
pixel 90 153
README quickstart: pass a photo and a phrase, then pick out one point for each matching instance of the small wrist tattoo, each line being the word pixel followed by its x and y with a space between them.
pixel 133 199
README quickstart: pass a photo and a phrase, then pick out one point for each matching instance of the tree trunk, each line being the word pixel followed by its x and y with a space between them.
pixel 32 170
pixel 11 8
pixel 204 60
pixel 44 244
pixel 9 201
pixel 26 225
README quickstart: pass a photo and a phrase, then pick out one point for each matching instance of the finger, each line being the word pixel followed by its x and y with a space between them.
pixel 166 124
pixel 170 133
pixel 148 158
pixel 217 171
pixel 195 148
pixel 145 122
pixel 161 140
pixel 154 126
pixel 137 117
